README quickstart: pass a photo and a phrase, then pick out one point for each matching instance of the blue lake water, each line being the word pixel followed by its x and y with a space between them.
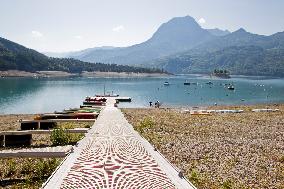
pixel 38 95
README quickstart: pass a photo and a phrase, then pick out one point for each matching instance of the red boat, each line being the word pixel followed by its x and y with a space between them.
pixel 93 99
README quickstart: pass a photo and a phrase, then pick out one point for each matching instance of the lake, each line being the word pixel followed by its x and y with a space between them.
pixel 38 95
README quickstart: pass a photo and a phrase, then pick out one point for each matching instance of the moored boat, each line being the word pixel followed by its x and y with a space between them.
pixel 231 87
pixel 94 103
pixel 99 99
pixel 107 95
pixel 166 83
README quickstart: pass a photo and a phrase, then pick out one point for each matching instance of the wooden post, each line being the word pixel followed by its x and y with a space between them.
pixel 4 141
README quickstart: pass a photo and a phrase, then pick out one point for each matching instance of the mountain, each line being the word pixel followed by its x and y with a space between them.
pixel 17 57
pixel 218 32
pixel 178 34
pixel 240 52
pixel 76 53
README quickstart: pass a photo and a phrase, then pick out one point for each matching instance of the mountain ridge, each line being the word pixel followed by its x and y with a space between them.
pixel 178 34
pixel 218 32
pixel 181 45
pixel 240 52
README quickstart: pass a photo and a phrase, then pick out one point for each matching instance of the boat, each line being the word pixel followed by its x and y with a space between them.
pixel 265 110
pixel 166 83
pixel 90 106
pixel 231 87
pixel 98 103
pixel 190 83
pixel 107 95
pixel 93 99
pixel 68 116
pixel 82 110
pixel 209 83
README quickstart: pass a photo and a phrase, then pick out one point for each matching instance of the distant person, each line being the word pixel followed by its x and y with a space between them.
pixel 158 104
pixel 150 103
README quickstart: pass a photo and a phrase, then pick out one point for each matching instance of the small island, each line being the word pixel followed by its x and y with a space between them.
pixel 221 73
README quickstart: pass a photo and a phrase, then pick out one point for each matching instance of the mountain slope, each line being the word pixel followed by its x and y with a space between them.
pixel 178 34
pixel 17 57
pixel 218 32
pixel 239 52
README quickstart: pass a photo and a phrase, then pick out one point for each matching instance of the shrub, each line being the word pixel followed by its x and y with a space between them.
pixel 145 124
pixel 194 177
pixel 59 137
pixel 227 184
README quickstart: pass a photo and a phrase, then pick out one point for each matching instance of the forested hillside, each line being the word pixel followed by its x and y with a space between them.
pixel 17 57
pixel 239 52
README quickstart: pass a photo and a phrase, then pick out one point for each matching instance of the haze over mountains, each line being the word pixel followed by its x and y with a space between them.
pixel 181 45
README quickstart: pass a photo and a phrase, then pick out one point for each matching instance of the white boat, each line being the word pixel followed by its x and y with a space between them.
pixel 166 83
pixel 231 87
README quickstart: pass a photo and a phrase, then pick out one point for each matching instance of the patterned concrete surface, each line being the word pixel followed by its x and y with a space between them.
pixel 112 155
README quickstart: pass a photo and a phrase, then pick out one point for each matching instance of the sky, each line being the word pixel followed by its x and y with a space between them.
pixel 70 25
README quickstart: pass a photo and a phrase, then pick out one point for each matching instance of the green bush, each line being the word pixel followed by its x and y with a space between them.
pixel 194 177
pixel 44 168
pixel 145 124
pixel 227 184
pixel 59 137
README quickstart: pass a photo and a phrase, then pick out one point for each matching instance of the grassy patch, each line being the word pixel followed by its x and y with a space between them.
pixel 59 137
pixel 26 172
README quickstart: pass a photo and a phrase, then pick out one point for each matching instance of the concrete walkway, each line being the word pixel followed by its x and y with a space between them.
pixel 113 155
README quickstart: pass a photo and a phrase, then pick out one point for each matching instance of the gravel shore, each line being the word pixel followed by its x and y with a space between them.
pixel 244 150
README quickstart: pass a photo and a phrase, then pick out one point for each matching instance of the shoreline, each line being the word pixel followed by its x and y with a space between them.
pixel 236 106
pixel 54 74
pixel 263 105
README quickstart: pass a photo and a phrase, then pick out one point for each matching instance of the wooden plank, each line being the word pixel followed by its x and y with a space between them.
pixel 57 120
pixel 24 132
pixel 48 152
pixel 123 99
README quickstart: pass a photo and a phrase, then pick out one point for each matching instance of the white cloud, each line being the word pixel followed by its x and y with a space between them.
pixel 37 34
pixel 78 37
pixel 201 21
pixel 118 28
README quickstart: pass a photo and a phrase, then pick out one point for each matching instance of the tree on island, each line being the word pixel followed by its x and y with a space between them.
pixel 221 73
